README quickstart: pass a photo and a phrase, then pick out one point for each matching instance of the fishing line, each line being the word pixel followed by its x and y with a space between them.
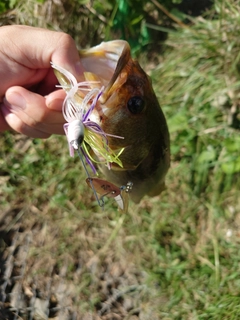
pixel 99 200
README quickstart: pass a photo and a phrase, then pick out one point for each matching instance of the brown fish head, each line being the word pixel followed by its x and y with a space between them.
pixel 129 108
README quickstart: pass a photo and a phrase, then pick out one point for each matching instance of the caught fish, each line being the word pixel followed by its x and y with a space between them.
pixel 128 111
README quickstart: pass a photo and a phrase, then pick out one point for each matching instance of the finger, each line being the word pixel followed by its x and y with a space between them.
pixel 32 105
pixel 54 100
pixel 42 46
pixel 32 110
pixel 19 126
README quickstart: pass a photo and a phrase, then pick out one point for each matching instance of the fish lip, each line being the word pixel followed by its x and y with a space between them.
pixel 111 56
pixel 121 63
pixel 112 50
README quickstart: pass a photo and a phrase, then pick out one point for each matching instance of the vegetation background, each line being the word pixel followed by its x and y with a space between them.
pixel 171 257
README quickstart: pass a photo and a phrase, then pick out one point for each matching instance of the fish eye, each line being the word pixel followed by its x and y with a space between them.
pixel 135 104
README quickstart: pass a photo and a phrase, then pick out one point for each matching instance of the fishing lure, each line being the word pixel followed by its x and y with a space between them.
pixel 105 188
pixel 79 129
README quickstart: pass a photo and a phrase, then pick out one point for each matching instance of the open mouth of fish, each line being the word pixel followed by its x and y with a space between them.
pixel 106 64
pixel 106 60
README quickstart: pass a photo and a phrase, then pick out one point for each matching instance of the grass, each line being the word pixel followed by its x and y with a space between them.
pixel 199 81
pixel 180 250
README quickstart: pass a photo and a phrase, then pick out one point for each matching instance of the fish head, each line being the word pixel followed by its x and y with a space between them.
pixel 128 107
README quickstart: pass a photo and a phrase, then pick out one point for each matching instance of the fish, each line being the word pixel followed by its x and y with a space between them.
pixel 128 108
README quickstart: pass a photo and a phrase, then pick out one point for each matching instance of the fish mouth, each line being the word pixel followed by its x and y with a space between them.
pixel 105 63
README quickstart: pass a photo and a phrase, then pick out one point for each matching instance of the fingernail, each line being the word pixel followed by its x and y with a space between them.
pixel 15 102
pixel 54 104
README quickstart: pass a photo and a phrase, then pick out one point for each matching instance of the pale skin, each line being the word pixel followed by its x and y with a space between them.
pixel 29 101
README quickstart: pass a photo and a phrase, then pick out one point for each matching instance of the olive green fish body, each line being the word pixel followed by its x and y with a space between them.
pixel 129 108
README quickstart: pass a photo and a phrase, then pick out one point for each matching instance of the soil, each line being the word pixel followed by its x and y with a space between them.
pixel 36 283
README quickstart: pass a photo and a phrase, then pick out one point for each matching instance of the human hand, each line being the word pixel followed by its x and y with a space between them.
pixel 29 102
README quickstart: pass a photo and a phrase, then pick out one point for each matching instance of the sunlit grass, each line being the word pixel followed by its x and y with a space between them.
pixel 197 236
